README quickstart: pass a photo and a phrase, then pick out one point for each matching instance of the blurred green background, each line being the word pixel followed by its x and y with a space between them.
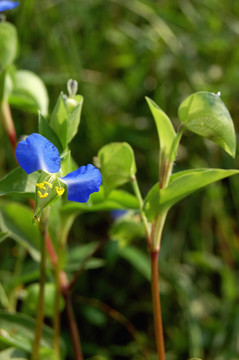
pixel 121 51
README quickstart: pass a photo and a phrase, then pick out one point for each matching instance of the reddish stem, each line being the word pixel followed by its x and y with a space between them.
pixel 73 328
pixel 50 249
pixel 157 306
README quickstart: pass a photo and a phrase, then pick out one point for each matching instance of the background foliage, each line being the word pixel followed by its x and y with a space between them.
pixel 121 51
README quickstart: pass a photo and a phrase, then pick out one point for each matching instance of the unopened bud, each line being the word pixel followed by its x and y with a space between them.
pixel 72 87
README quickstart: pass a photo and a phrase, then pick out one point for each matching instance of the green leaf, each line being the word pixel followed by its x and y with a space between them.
pixel 205 114
pixel 164 126
pixel 74 118
pixel 17 220
pixel 13 354
pixel 117 165
pixel 59 120
pixel 29 92
pixel 46 131
pixel 181 185
pixel 8 44
pixel 117 199
pixel 18 182
pixel 30 304
pixel 18 330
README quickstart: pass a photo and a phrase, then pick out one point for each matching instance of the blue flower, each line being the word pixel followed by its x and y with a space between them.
pixel 8 5
pixel 38 153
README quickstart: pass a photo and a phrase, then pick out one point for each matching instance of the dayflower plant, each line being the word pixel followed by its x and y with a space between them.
pixel 8 5
pixel 37 153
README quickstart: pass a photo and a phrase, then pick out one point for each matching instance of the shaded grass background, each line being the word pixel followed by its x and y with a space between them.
pixel 121 51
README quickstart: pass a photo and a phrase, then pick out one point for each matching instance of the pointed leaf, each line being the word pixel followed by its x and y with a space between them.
pixel 18 182
pixel 181 185
pixel 29 92
pixel 165 128
pixel 117 165
pixel 205 114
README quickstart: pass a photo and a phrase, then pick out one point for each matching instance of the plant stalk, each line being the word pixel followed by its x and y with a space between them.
pixel 141 204
pixel 40 312
pixel 158 325
pixel 73 328
pixel 56 316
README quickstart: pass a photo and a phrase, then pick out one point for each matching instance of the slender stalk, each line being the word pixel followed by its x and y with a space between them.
pixel 141 203
pixel 40 313
pixel 73 328
pixel 157 306
pixel 56 318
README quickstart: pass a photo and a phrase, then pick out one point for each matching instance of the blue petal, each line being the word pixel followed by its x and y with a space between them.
pixel 82 182
pixel 38 153
pixel 8 5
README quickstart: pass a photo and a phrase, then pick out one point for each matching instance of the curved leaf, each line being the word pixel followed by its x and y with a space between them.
pixel 29 92
pixel 205 114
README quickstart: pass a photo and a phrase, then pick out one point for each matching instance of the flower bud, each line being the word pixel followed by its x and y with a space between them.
pixel 72 87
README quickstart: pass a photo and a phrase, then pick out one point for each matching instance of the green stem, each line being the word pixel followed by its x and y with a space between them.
pixel 157 306
pixel 40 313
pixel 56 318
pixel 141 204
pixel 59 287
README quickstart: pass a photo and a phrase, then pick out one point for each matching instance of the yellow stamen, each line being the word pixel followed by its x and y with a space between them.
pixel 41 185
pixel 47 183
pixel 60 191
pixel 42 195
